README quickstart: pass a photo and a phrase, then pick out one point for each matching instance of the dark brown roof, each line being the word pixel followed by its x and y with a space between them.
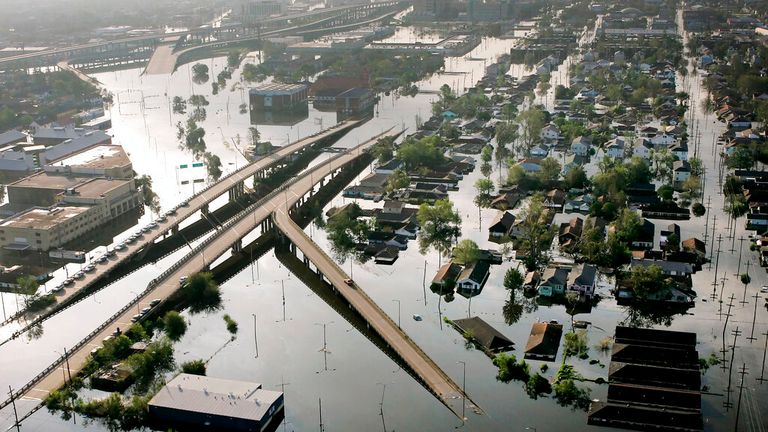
pixel 544 340
pixel 629 373
pixel 655 396
pixel 651 337
pixel 657 356
pixel 644 418
pixel 486 335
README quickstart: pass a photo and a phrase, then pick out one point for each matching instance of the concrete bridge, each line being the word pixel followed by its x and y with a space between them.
pixel 140 48
pixel 233 184
pixel 273 211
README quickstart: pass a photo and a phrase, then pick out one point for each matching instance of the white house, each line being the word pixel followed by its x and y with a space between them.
pixel 643 148
pixel 681 170
pixel 663 140
pixel 580 145
pixel 472 278
pixel 680 149
pixel 615 148
pixel 550 134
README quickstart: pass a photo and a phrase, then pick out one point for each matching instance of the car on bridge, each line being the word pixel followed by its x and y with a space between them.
pixel 349 282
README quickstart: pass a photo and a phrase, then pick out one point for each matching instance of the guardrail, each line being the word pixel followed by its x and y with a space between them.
pixel 154 282
pixel 330 131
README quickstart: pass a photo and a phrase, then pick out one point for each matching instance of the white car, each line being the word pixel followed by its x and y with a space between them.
pixel 764 289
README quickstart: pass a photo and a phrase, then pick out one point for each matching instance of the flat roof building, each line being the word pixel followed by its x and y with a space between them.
pixel 279 97
pixel 105 160
pixel 217 404
pixel 44 229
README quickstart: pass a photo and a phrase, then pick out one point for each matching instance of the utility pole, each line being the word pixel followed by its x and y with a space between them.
pixel 424 282
pixel 15 413
pixel 711 249
pixel 320 405
pixel 744 295
pixel 717 264
pixel 741 390
pixel 725 326
pixel 463 392
pixel 727 404
pixel 754 317
pixel 255 335
pixel 706 223
pixel 765 349
pixel 282 286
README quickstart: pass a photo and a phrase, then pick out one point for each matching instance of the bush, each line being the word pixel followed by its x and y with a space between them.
pixel 231 324
pixel 174 325
pixel 510 369
pixel 568 394
pixel 605 344
pixel 698 209
pixel 576 344
pixel 194 367
pixel 157 358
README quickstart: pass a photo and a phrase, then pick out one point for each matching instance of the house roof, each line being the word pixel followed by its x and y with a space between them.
pixel 665 266
pixel 503 221
pixel 583 274
pixel 653 337
pixel 447 271
pixel 12 136
pixel 544 339
pixel 554 275
pixel 485 334
pixel 694 245
pixel 681 166
pixel 477 272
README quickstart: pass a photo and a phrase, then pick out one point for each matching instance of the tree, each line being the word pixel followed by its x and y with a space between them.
pixel 466 252
pixel 28 285
pixel 576 178
pixel 200 73
pixel 421 153
pixel 698 209
pixel 398 180
pixel 531 121
pixel 627 225
pixel 742 158
pixel 506 133
pixel 665 192
pixel 663 160
pixel 233 58
pixel 487 154
pixel 202 292
pixel 550 170
pixel 254 136
pixel 484 188
pixel 346 232
pixel 174 325
pixel 648 280
pixel 439 224
pixel 149 197
pixel 513 279
pixel 213 166
pixel 535 234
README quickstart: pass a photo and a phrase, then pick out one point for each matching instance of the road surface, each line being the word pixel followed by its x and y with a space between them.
pixel 195 203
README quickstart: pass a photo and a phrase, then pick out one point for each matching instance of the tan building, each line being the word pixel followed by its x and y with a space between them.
pixel 44 229
pixel 72 207
pixel 105 160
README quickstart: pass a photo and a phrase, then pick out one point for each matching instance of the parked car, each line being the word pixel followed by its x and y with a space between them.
pixel 349 282
pixel 155 302
pixel 135 318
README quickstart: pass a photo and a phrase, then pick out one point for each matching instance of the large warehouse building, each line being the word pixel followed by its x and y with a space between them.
pixel 201 402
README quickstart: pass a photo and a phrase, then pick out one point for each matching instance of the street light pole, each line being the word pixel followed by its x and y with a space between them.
pixel 463 391
pixel 398 312
pixel 255 335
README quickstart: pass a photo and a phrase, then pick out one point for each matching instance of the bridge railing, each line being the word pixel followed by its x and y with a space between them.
pixel 154 282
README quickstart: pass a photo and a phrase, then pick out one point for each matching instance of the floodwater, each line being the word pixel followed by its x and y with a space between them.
pixel 352 377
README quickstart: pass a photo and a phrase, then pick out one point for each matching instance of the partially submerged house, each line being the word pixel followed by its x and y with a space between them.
pixel 544 341
pixel 483 333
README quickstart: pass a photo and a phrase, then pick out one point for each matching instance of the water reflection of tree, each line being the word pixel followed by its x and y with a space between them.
pixel 516 305
pixel 646 316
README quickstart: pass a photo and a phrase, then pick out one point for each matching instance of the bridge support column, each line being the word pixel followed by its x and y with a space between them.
pixel 306 261
pixel 237 246
pixel 175 229
pixel 204 210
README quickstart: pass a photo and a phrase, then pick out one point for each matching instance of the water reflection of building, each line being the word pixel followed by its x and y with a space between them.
pixel 279 118
pixel 279 97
